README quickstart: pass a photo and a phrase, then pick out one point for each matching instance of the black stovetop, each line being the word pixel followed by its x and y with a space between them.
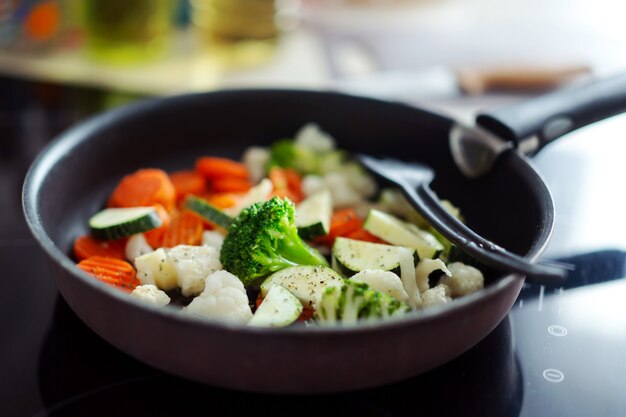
pixel 560 352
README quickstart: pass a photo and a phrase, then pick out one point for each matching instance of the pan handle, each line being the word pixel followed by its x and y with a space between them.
pixel 550 116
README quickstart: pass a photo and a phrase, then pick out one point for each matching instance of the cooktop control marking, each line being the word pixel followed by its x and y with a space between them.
pixel 557 330
pixel 553 375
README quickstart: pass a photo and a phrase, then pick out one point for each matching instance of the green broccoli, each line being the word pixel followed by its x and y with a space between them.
pixel 287 154
pixel 263 239
pixel 355 300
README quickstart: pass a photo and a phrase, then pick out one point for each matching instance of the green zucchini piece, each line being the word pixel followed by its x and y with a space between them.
pixel 350 256
pixel 279 308
pixel 313 215
pixel 306 282
pixel 395 231
pixel 208 211
pixel 116 223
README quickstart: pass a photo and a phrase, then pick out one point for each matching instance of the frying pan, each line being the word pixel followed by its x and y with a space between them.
pixel 72 177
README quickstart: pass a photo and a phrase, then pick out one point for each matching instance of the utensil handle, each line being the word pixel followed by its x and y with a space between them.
pixel 552 115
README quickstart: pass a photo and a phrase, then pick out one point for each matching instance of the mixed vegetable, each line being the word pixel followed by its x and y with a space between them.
pixel 294 232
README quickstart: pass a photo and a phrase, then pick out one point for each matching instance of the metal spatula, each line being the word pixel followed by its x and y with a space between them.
pixel 414 180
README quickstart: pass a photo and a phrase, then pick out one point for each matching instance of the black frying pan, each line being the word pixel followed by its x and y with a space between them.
pixel 72 178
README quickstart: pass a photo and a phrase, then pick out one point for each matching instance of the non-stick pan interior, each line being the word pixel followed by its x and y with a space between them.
pixel 507 206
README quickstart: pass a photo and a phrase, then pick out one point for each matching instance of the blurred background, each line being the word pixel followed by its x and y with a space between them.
pixel 422 51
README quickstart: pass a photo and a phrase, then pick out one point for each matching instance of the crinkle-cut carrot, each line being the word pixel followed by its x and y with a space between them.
pixel 144 187
pixel 187 182
pixel 155 236
pixel 278 177
pixel 222 200
pixel 230 185
pixel 185 229
pixel 214 167
pixel 294 183
pixel 87 246
pixel 112 271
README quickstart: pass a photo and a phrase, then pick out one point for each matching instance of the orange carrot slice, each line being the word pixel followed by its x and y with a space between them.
pixel 362 234
pixel 111 271
pixel 86 247
pixel 230 185
pixel 187 182
pixel 222 200
pixel 184 229
pixel 144 188
pixel 214 167
pixel 294 183
pixel 155 236
pixel 342 223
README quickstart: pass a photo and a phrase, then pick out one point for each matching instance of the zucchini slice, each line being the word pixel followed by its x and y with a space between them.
pixel 394 230
pixel 313 215
pixel 208 211
pixel 116 223
pixel 351 256
pixel 279 308
pixel 306 282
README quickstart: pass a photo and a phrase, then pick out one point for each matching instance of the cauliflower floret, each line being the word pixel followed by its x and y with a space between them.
pixel 360 181
pixel 193 264
pixel 312 184
pixel 157 269
pixel 436 296
pixel 255 159
pixel 465 279
pixel 384 281
pixel 342 192
pixel 310 136
pixel 423 270
pixel 224 299
pixel 213 239
pixel 151 295
pixel 137 246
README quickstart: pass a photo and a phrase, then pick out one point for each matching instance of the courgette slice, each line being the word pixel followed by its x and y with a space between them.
pixel 116 223
pixel 313 215
pixel 208 211
pixel 279 308
pixel 394 230
pixel 350 256
pixel 305 282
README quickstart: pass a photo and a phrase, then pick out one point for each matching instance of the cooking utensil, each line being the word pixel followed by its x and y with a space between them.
pixel 414 179
pixel 72 178
pixel 532 124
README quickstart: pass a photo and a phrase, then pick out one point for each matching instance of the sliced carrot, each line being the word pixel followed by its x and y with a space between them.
pixel 155 236
pixel 362 234
pixel 306 314
pixel 230 185
pixel 278 177
pixel 222 200
pixel 144 187
pixel 214 167
pixel 185 229
pixel 86 247
pixel 342 223
pixel 187 182
pixel 294 183
pixel 281 179
pixel 112 271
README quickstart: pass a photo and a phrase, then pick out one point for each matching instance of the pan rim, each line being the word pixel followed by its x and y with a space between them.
pixel 62 144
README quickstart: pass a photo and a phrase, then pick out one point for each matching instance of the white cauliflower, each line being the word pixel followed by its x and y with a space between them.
pixel 313 184
pixel 137 246
pixel 213 239
pixel 344 195
pixel 156 268
pixel 223 299
pixel 310 136
pixel 383 281
pixel 151 295
pixel 193 264
pixel 465 279
pixel 255 159
pixel 423 270
pixel 436 296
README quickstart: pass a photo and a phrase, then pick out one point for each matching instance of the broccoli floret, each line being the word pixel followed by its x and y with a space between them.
pixel 263 239
pixel 287 154
pixel 355 300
